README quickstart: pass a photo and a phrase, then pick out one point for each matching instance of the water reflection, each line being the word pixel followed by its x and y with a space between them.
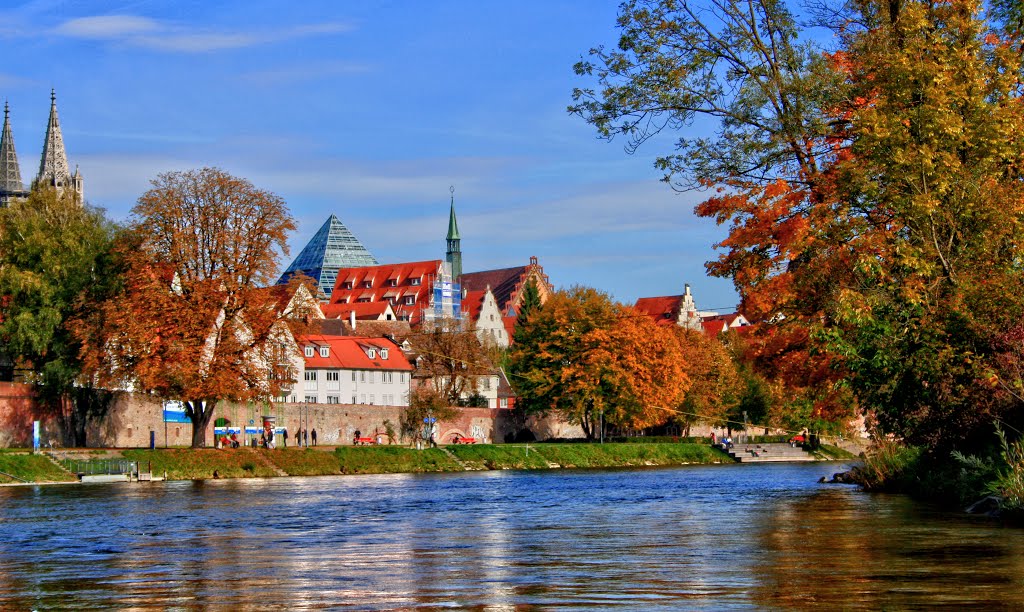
pixel 722 537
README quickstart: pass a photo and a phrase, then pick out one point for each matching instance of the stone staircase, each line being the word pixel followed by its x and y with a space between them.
pixel 769 453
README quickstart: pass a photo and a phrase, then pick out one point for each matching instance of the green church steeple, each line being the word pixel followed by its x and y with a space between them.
pixel 454 254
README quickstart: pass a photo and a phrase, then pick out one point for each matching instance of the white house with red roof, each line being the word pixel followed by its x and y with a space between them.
pixel 352 370
pixel 682 311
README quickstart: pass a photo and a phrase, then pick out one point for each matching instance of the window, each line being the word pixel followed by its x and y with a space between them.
pixel 325 351
pixel 415 282
pixel 383 353
pixel 401 378
pixel 309 351
pixel 368 284
pixel 333 380
pixel 333 376
pixel 362 375
pixel 333 399
pixel 392 282
pixel 410 300
pixel 503 402
pixel 362 398
pixel 353 378
pixel 487 384
pixel 372 376
pixel 310 399
pixel 371 399
pixel 354 398
pixel 347 285
pixel 387 377
pixel 372 353
pixel 310 380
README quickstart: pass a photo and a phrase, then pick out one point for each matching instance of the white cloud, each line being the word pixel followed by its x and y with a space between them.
pixel 106 27
pixel 147 33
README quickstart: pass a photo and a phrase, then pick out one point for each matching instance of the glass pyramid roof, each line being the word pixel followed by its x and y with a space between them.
pixel 332 247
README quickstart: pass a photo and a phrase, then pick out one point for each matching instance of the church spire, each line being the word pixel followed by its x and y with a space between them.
pixel 10 171
pixel 454 255
pixel 53 167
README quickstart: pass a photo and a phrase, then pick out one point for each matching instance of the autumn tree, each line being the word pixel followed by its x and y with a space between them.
pixel 192 322
pixel 714 383
pixel 451 357
pixel 587 359
pixel 424 403
pixel 54 260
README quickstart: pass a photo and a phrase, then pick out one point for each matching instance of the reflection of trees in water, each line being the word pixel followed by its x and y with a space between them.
pixel 841 548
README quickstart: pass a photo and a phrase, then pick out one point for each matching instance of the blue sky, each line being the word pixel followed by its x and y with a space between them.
pixel 368 110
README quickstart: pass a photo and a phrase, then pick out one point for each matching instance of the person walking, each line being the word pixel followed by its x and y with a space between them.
pixel 284 437
pixel 314 436
pixel 305 437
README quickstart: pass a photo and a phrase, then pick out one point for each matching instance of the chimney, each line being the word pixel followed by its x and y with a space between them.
pixel 352 320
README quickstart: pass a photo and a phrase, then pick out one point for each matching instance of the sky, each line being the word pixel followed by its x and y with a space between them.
pixel 370 110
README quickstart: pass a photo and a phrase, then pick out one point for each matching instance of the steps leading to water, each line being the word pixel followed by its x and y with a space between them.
pixel 769 453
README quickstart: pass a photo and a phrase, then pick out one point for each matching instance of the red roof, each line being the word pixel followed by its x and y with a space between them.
pixel 505 283
pixel 664 309
pixel 365 311
pixel 510 326
pixel 414 279
pixel 353 353
pixel 713 327
pixel 472 302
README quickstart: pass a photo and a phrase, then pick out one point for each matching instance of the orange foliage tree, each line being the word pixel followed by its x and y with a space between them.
pixel 588 360
pixel 191 322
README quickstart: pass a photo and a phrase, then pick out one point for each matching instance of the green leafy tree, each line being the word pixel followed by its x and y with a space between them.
pixel 55 259
pixel 424 403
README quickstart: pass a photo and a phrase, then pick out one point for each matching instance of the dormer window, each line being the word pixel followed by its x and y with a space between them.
pixel 325 351
pixel 415 282
pixel 368 284
pixel 309 351
pixel 410 300
pixel 392 282
pixel 346 285
pixel 383 353
pixel 372 353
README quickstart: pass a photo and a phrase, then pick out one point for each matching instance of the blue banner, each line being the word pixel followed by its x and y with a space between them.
pixel 174 412
pixel 35 436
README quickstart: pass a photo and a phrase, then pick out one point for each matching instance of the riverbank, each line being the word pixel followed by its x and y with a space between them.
pixel 199 464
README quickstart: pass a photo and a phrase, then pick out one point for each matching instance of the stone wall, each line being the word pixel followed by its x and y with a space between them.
pixel 132 418
pixel 18 409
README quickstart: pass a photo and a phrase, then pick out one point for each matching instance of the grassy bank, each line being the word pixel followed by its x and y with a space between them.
pixel 189 464
pixel 19 466
pixel 543 456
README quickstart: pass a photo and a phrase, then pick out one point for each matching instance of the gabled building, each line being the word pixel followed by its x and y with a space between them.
pixel 360 311
pixel 352 370
pixel 332 248
pixel 671 310
pixel 482 315
pixel 507 285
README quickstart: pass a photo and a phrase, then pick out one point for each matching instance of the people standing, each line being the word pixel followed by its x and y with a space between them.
pixel 305 437
pixel 314 436
pixel 284 437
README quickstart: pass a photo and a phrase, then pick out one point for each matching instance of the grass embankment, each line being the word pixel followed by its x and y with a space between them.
pixel 190 464
pixel 362 460
pixel 543 456
pixel 31 468
pixel 827 452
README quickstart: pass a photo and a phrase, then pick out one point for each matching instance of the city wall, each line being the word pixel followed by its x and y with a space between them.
pixel 131 418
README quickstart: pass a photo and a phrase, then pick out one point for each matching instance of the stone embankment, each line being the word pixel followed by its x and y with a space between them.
pixel 769 453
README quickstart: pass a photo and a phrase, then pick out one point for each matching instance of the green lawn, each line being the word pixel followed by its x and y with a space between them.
pixel 33 468
pixel 393 459
pixel 191 464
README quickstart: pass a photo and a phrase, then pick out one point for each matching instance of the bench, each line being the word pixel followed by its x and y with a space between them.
pixel 363 441
pixel 463 440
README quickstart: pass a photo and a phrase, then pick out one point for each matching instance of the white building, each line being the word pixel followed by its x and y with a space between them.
pixel 352 370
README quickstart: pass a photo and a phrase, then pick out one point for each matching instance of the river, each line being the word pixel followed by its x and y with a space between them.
pixel 730 537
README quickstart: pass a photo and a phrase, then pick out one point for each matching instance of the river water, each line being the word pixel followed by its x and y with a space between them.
pixel 697 537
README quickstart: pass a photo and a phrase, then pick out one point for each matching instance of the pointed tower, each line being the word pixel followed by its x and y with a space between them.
pixel 332 247
pixel 11 186
pixel 53 167
pixel 454 255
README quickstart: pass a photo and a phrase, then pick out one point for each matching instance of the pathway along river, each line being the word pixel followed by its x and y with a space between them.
pixel 709 537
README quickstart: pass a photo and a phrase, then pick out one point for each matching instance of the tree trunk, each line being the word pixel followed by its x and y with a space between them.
pixel 201 413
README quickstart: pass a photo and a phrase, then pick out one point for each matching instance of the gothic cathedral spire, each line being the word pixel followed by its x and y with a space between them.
pixel 53 167
pixel 454 255
pixel 10 172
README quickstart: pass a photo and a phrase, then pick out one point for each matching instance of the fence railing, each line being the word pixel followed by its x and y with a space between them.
pixel 101 466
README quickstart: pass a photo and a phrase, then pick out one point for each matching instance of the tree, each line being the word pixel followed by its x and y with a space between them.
pixel 54 259
pixel 451 357
pixel 714 383
pixel 589 360
pixel 424 403
pixel 191 322
pixel 530 302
